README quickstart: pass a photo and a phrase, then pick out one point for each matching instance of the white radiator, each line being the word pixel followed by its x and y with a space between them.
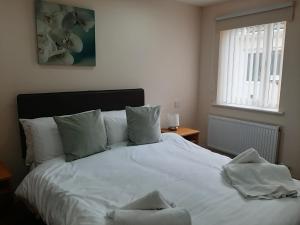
pixel 234 136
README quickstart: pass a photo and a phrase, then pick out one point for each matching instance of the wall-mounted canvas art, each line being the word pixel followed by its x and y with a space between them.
pixel 65 34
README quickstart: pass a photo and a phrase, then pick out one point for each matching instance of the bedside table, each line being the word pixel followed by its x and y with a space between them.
pixel 6 192
pixel 188 133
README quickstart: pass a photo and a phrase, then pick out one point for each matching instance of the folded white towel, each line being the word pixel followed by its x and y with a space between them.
pixel 153 200
pixel 169 216
pixel 153 209
pixel 255 178
pixel 248 156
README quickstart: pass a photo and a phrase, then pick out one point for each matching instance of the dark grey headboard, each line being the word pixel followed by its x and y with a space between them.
pixel 62 103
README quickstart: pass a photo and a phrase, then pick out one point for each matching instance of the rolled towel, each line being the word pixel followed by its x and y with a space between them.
pixel 152 209
pixel 169 216
pixel 153 200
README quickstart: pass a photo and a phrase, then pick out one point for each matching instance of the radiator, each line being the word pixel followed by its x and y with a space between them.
pixel 234 136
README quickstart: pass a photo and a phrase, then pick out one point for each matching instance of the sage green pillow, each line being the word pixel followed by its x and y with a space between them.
pixel 82 134
pixel 143 125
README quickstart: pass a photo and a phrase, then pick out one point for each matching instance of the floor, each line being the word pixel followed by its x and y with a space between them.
pixel 15 213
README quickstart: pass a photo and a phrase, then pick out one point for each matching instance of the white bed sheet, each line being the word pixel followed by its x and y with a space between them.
pixel 82 192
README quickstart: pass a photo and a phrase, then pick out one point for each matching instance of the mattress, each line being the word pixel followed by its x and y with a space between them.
pixel 81 192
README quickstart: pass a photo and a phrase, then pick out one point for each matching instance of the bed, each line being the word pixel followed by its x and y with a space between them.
pixel 81 192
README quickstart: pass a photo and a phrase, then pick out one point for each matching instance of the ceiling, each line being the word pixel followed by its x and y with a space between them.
pixel 203 2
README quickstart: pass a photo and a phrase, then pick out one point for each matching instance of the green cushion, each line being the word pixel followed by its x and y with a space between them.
pixel 143 125
pixel 82 134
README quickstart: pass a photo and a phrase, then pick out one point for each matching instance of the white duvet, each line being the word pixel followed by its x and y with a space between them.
pixel 81 192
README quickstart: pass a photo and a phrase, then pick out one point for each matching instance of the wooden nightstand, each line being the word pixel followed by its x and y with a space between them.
pixel 6 193
pixel 188 133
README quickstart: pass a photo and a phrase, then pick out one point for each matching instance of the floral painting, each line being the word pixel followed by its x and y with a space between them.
pixel 65 34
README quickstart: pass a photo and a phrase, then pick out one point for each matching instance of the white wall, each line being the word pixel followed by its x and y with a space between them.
pixel 290 93
pixel 140 44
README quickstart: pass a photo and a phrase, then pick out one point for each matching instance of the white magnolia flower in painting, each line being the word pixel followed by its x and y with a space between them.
pixel 44 8
pixel 42 28
pixel 66 40
pixel 67 8
pixel 62 59
pixel 50 14
pixel 54 20
pixel 46 46
pixel 78 17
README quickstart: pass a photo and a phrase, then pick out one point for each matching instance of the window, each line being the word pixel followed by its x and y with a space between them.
pixel 250 66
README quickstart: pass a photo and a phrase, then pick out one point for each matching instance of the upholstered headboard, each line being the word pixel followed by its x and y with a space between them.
pixel 63 103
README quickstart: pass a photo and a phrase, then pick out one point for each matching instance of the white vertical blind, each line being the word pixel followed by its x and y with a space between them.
pixel 250 66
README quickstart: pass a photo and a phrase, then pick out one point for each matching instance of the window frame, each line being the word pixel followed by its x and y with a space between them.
pixel 278 110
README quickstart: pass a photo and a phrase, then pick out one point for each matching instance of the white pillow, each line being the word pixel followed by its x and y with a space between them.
pixel 116 126
pixel 42 139
pixel 29 145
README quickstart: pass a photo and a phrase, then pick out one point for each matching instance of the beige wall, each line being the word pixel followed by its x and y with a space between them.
pixel 140 44
pixel 290 103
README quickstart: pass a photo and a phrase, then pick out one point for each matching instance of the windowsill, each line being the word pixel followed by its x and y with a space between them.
pixel 249 109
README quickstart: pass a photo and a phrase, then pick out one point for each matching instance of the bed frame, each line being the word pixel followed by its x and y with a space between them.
pixel 63 103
